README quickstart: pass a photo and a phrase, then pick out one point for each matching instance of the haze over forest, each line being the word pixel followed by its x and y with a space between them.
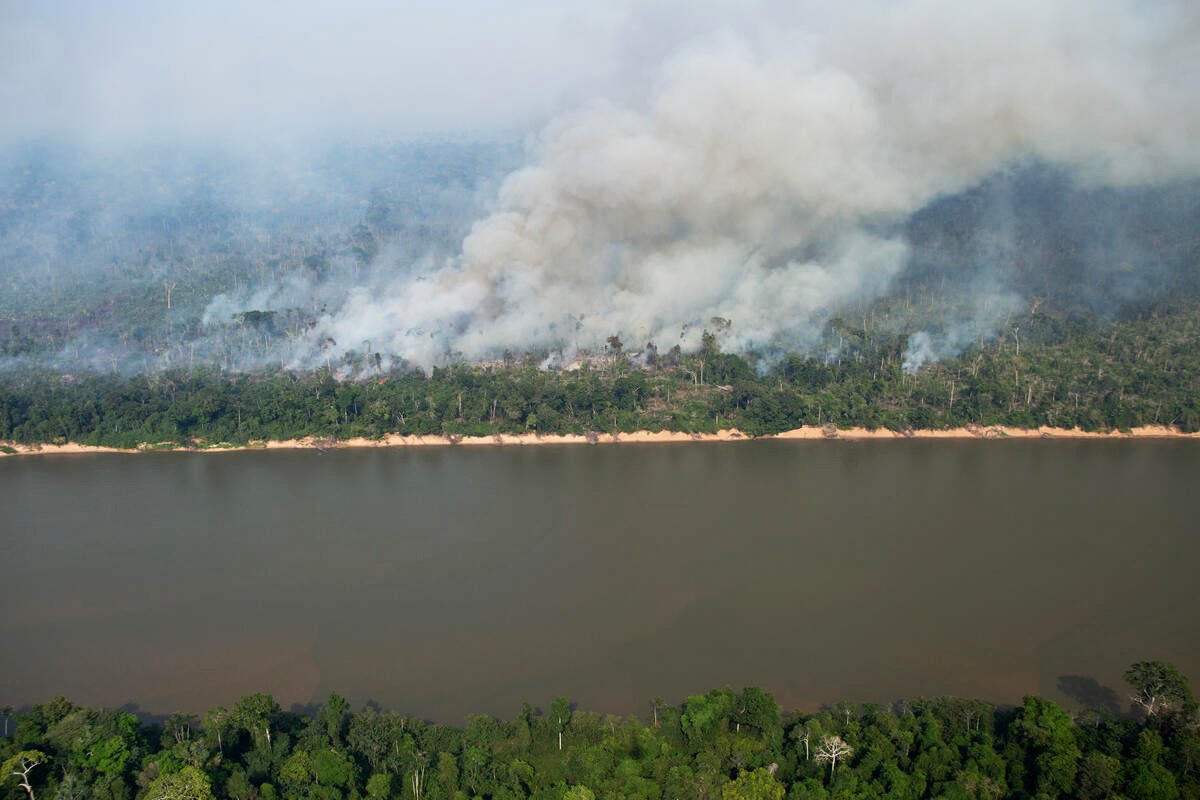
pixel 416 187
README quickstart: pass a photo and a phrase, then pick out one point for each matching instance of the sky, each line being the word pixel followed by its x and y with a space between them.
pixel 130 69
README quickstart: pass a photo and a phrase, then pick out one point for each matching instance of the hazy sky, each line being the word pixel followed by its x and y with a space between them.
pixel 135 68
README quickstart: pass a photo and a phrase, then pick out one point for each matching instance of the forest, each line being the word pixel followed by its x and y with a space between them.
pixel 178 300
pixel 732 745
pixel 1072 371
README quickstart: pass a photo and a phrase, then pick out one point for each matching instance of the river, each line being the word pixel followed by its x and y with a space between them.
pixel 445 581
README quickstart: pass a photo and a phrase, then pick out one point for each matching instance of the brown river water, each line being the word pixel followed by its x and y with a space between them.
pixel 445 581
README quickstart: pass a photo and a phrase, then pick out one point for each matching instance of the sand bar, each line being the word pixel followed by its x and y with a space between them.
pixel 826 433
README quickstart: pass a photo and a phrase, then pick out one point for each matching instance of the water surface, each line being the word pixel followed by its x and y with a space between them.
pixel 447 581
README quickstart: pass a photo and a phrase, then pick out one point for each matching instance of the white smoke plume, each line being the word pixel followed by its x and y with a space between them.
pixel 988 308
pixel 766 176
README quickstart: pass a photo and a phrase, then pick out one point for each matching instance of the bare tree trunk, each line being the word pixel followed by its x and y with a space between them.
pixel 418 779
pixel 22 771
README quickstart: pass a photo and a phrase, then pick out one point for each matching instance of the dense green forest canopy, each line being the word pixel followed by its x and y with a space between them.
pixel 726 744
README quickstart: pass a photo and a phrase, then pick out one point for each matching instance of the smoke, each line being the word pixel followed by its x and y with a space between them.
pixel 984 315
pixel 135 70
pixel 767 179
pixel 932 165
pixel 91 238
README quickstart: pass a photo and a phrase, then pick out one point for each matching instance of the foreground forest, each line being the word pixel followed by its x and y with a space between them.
pixel 723 744
pixel 1061 371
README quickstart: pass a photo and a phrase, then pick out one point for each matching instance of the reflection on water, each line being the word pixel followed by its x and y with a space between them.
pixel 446 581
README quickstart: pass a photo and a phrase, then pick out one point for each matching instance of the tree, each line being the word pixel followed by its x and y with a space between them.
pixel 1159 688
pixel 705 716
pixel 254 714
pixel 297 771
pixel 757 709
pixel 1048 733
pixel 754 785
pixel 333 714
pixel 332 768
pixel 178 728
pixel 21 765
pixel 188 783
pixel 560 716
pixel 1146 776
pixel 1097 776
pixel 830 750
pixel 655 704
pixel 108 756
pixel 447 772
pixel 380 786
pixel 217 722
pixel 374 735
pixel 420 762
pixel 803 736
pixel 979 786
pixel 238 786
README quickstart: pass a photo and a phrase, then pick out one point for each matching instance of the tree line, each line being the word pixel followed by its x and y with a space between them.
pixel 1042 370
pixel 725 744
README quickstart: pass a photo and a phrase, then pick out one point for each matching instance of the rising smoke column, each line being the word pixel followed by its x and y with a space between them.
pixel 766 178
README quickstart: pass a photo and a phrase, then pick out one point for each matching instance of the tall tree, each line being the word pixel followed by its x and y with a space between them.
pixel 333 714
pixel 217 724
pixel 188 783
pixel 560 717
pixel 830 749
pixel 21 765
pixel 1159 688
pixel 255 714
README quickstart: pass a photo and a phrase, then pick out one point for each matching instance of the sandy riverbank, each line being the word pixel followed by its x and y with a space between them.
pixel 986 432
pixel 639 437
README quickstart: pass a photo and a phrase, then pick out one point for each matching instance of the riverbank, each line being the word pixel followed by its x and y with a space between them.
pixel 828 433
